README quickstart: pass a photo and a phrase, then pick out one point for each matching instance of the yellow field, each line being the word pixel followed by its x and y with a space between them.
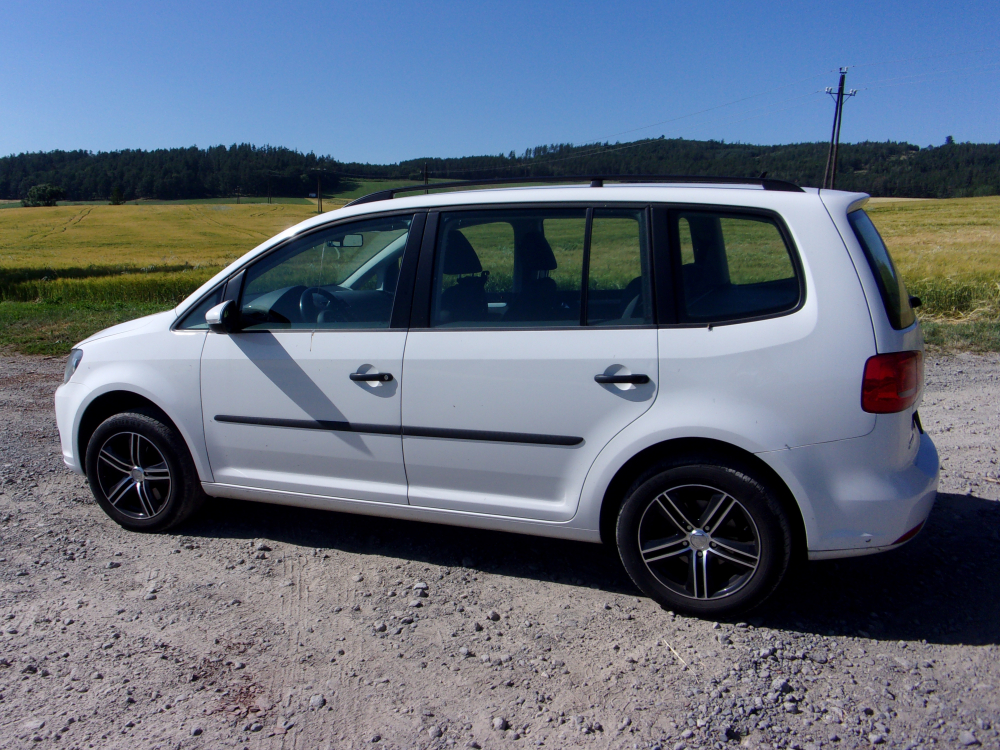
pixel 138 236
pixel 69 270
pixel 955 238
pixel 949 254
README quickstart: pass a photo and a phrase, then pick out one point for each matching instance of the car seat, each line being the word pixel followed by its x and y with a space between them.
pixel 538 298
pixel 465 301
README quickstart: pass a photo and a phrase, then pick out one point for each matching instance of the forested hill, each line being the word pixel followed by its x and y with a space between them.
pixel 165 174
pixel 882 169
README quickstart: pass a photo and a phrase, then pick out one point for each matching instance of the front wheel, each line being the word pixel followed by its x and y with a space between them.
pixel 141 473
pixel 705 538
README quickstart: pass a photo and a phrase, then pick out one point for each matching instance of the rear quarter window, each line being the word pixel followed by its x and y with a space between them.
pixel 890 283
pixel 733 267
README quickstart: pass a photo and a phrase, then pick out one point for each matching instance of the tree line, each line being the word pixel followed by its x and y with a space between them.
pixel 882 169
pixel 167 174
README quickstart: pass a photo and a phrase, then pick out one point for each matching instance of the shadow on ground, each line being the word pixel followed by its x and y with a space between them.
pixel 943 587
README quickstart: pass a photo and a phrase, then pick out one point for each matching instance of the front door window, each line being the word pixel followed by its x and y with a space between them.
pixel 342 277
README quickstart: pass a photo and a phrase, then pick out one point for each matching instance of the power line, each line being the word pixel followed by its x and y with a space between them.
pixel 938 73
pixel 711 109
pixel 923 57
pixel 966 72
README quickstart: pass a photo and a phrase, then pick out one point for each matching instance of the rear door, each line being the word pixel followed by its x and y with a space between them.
pixel 532 344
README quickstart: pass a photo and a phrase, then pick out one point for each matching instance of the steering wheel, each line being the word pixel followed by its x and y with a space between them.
pixel 308 310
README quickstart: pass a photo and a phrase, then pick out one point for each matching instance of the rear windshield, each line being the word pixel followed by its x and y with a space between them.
pixel 890 284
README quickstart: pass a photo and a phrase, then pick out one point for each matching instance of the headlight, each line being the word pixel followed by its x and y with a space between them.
pixel 72 363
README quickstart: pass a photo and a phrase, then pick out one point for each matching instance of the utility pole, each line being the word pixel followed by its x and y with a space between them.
pixel 830 173
pixel 319 187
pixel 269 174
pixel 425 177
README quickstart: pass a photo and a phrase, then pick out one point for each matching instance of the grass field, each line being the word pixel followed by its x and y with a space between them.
pixel 949 254
pixel 68 271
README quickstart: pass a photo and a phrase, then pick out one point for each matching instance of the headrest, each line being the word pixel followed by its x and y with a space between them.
pixel 536 253
pixel 459 256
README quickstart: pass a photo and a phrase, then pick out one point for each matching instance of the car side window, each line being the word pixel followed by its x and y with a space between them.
pixel 340 277
pixel 618 288
pixel 733 267
pixel 520 268
pixel 195 319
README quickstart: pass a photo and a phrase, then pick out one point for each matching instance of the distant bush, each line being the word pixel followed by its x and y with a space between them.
pixel 129 286
pixel 43 195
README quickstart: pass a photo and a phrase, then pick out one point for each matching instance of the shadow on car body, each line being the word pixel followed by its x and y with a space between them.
pixel 943 587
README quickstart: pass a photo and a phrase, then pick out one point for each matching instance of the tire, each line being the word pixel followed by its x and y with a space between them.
pixel 141 472
pixel 674 552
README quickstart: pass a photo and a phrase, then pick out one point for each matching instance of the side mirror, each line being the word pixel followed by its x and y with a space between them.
pixel 222 317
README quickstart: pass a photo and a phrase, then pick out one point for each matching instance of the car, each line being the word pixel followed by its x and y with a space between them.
pixel 719 377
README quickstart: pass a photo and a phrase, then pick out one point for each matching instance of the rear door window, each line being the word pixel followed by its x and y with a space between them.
pixel 509 269
pixel 890 283
pixel 733 267
pixel 618 288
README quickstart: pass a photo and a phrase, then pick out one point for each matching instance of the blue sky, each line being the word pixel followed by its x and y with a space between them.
pixel 379 82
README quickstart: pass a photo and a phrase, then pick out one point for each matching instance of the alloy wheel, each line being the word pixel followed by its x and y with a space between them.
pixel 699 542
pixel 133 475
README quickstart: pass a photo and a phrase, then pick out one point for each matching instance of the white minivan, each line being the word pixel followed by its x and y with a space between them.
pixel 718 376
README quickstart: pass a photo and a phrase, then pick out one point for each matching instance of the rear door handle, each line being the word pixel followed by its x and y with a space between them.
pixel 371 377
pixel 612 379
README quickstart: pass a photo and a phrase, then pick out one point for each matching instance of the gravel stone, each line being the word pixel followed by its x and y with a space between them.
pixel 967 738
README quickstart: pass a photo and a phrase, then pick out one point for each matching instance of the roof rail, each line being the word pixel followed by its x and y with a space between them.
pixel 594 180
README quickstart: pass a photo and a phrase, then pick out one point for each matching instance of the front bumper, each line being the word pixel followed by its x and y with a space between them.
pixel 68 398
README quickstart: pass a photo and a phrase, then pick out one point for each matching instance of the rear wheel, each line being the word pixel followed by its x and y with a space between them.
pixel 141 473
pixel 703 537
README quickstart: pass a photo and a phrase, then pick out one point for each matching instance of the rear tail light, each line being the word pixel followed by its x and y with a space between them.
pixel 892 382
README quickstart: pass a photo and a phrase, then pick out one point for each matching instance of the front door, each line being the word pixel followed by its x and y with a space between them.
pixel 306 398
pixel 539 348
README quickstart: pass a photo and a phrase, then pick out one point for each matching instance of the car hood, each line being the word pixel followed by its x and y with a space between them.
pixel 164 318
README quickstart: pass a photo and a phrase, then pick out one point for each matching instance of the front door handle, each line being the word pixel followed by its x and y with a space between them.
pixel 371 377
pixel 613 379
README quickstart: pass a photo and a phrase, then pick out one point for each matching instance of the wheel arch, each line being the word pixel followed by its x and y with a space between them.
pixel 107 405
pixel 676 448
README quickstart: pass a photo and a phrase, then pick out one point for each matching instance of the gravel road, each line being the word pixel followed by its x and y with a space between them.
pixel 268 627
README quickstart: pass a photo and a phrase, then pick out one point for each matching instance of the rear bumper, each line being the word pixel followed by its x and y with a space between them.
pixel 860 496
